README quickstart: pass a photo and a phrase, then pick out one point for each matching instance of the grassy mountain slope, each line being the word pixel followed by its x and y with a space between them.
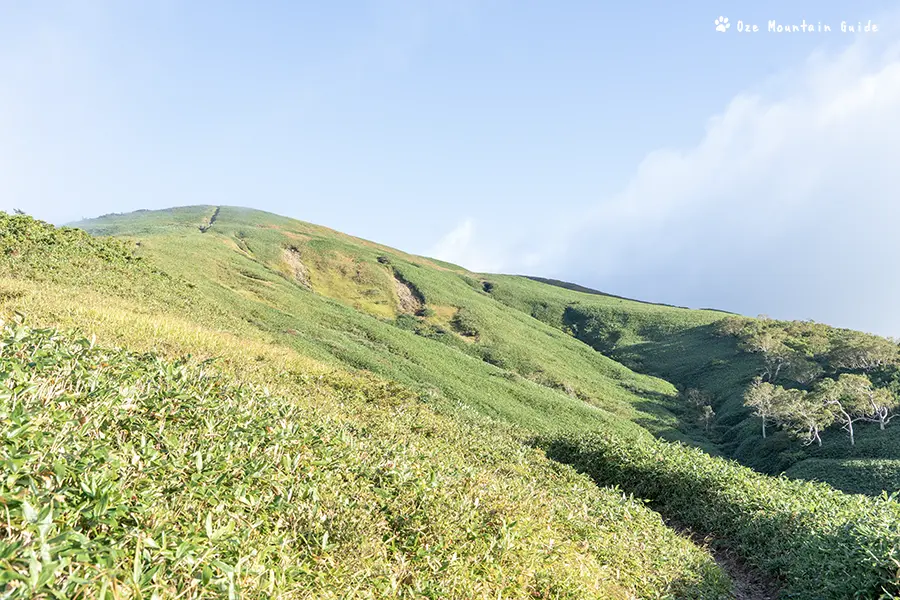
pixel 465 346
pixel 679 348
pixel 686 348
pixel 428 392
pixel 269 473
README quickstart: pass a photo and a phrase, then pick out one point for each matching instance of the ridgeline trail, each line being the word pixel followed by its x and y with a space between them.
pixel 212 220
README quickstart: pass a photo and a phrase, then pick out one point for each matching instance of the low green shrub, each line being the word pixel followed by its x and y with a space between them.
pixel 407 322
pixel 465 323
pixel 821 543
pixel 21 235
pixel 870 476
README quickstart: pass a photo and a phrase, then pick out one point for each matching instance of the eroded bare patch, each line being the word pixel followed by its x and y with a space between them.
pixel 204 227
pixel 297 269
pixel 408 297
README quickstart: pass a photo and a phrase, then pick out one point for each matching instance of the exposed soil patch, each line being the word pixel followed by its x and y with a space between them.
pixel 748 583
pixel 209 223
pixel 409 297
pixel 296 267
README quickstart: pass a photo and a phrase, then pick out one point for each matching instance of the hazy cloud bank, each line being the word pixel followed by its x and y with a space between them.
pixel 788 205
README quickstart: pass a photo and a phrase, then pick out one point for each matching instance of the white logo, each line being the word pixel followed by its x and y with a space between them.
pixel 722 24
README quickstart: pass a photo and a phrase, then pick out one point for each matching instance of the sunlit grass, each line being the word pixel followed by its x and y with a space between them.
pixel 129 476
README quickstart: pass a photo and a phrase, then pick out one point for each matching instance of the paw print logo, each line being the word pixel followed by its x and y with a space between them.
pixel 722 24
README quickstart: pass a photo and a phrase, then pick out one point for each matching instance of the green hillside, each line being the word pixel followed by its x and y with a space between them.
pixel 338 299
pixel 220 402
pixel 715 355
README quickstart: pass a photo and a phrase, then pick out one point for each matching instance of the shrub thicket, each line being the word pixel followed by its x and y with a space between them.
pixel 820 542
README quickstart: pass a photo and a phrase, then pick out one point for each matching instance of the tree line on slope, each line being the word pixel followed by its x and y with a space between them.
pixel 815 376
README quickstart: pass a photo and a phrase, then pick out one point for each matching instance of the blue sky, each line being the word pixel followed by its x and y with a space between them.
pixel 627 146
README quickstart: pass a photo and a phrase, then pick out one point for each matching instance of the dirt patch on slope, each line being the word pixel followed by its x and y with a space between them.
pixel 748 583
pixel 209 223
pixel 410 302
pixel 296 267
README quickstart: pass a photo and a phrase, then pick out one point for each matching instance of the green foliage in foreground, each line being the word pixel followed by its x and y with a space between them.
pixel 820 542
pixel 24 237
pixel 128 476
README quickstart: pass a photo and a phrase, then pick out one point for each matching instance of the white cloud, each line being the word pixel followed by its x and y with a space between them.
pixel 465 246
pixel 789 205
pixel 458 246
